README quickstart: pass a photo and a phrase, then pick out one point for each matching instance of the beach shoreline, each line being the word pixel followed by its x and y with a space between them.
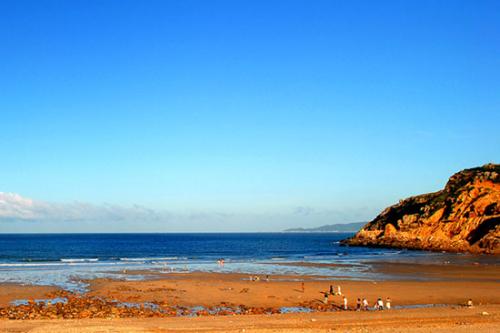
pixel 414 283
pixel 255 304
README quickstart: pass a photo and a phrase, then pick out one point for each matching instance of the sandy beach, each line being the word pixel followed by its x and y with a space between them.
pixel 421 320
pixel 451 288
pixel 204 289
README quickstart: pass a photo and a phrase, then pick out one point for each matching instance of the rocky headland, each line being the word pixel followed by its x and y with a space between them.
pixel 463 217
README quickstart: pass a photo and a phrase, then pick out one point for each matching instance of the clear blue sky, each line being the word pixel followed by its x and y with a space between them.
pixel 241 115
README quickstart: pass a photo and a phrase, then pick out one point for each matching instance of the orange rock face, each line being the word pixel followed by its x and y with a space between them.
pixel 463 217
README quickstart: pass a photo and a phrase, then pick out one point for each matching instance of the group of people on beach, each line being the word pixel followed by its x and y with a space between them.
pixel 257 278
pixel 361 304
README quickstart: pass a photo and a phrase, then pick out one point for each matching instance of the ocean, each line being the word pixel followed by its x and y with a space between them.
pixel 67 260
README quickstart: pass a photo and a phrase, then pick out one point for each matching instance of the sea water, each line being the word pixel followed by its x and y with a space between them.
pixel 68 260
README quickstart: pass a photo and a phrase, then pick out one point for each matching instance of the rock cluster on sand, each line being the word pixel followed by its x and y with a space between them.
pixel 66 305
pixel 76 306
pixel 463 217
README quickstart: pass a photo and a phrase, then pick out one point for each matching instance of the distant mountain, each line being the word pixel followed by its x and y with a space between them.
pixel 346 227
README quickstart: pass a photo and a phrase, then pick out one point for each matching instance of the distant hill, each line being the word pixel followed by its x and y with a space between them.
pixel 346 227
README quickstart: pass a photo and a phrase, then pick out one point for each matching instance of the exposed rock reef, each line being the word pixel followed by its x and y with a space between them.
pixel 68 305
pixel 463 217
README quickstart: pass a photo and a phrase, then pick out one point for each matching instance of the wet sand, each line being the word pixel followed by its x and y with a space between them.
pixel 10 292
pixel 446 272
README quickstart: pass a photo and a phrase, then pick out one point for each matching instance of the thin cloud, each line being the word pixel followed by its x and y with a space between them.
pixel 14 207
pixel 110 217
pixel 357 214
pixel 303 211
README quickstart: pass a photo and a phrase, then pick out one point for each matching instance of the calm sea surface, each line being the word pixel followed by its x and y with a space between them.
pixel 67 259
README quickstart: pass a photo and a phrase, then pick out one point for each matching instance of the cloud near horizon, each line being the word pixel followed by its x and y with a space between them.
pixel 14 207
pixel 108 217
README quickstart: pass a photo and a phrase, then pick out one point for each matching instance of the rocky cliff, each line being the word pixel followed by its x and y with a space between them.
pixel 463 217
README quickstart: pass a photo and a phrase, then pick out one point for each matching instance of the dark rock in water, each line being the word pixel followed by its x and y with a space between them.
pixel 463 217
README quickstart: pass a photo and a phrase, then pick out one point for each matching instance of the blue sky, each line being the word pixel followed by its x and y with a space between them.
pixel 239 115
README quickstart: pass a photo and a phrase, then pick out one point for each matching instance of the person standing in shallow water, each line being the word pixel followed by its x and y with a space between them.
pixel 388 303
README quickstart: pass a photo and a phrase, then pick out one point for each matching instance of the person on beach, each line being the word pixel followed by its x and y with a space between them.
pixel 331 290
pixel 267 278
pixel 339 292
pixel 388 303
pixel 325 297
pixel 469 303
pixel 379 305
pixel 345 302
pixel 365 304
pixel 358 304
pixel 303 287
